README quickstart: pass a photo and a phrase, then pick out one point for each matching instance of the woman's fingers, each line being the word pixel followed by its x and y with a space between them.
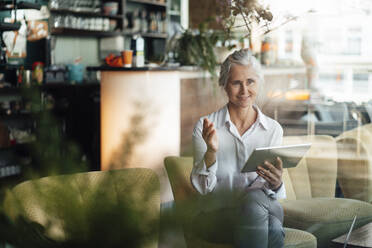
pixel 273 169
pixel 279 163
pixel 269 174
pixel 272 174
pixel 205 123
pixel 277 168
pixel 208 128
pixel 265 176
pixel 272 180
pixel 209 134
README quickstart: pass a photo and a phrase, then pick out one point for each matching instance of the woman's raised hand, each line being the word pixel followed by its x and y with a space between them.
pixel 210 135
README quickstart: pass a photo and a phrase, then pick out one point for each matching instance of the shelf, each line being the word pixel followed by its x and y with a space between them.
pixel 13 67
pixel 13 158
pixel 155 35
pixel 9 26
pixel 148 35
pixel 18 90
pixel 84 13
pixel 8 5
pixel 20 116
pixel 9 91
pixel 148 2
pixel 174 13
pixel 10 170
pixel 51 86
pixel 82 32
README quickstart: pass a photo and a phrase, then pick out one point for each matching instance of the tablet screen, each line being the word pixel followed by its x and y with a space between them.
pixel 290 155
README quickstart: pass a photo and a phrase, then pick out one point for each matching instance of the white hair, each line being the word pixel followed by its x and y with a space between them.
pixel 240 57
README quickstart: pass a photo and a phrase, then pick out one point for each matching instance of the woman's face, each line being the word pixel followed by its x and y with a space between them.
pixel 242 87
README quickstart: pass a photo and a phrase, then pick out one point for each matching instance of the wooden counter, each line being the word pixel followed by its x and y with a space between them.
pixel 140 120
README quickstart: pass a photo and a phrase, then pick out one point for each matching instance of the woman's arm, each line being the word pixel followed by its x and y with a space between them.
pixel 203 175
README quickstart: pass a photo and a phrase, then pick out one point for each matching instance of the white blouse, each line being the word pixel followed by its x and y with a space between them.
pixel 233 151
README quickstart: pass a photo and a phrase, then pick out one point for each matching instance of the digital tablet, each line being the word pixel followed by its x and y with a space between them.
pixel 290 155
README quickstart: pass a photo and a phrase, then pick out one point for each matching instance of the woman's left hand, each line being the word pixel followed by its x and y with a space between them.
pixel 272 174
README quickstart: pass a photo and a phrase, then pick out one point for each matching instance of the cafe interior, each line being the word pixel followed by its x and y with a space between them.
pixel 99 100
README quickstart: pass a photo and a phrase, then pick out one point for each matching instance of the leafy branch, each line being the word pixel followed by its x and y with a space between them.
pixel 253 13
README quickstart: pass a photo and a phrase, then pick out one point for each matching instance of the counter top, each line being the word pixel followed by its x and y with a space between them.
pixel 271 70
pixel 146 68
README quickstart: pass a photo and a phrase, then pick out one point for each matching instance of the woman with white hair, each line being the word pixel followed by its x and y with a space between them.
pixel 235 207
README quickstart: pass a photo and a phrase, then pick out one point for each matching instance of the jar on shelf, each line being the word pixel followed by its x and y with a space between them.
pixel 37 72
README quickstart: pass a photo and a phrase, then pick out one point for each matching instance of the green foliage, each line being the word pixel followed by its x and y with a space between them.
pixel 53 153
pixel 197 48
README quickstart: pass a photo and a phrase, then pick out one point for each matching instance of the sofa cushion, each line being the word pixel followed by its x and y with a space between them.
pixel 354 163
pixel 293 238
pixel 315 175
pixel 326 218
pixel 290 193
pixel 299 175
pixel 298 239
pixel 368 127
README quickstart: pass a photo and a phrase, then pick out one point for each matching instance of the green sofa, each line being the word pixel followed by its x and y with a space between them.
pixel 179 170
pixel 310 205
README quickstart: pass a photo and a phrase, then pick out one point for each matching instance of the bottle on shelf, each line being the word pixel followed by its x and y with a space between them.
pixel 152 23
pixel 3 59
pixel 20 74
pixel 126 22
pixel 159 24
pixel 144 21
pixel 136 21
pixel 54 4
pixel 96 5
pixel 164 22
pixel 138 45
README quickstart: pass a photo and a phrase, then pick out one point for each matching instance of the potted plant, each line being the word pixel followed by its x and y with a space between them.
pixel 196 47
pixel 238 19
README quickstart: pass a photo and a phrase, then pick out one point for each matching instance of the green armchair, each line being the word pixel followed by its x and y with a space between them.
pixel 179 170
pixel 310 203
pixel 355 163
pixel 119 208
